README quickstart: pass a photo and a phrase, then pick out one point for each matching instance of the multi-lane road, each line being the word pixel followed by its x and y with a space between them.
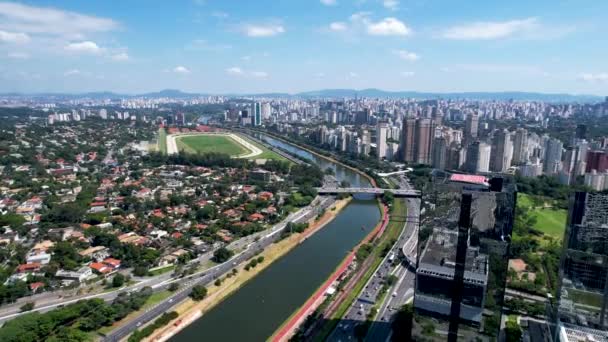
pixel 397 295
pixel 210 275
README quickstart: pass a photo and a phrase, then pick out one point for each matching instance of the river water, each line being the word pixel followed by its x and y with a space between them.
pixel 256 310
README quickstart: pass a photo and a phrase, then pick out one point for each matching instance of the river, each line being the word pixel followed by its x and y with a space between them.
pixel 256 310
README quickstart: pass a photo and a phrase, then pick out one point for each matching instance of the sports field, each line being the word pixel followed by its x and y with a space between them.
pixel 211 143
pixel 548 220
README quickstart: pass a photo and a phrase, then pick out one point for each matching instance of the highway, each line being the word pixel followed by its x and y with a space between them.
pixel 213 273
pixel 50 300
pixel 403 288
pixel 409 193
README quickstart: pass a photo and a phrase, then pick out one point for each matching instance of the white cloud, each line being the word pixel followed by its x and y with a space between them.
pixel 220 14
pixel 181 70
pixel 353 75
pixel 14 37
pixel 388 27
pixel 338 26
pixel 259 74
pixel 87 47
pixel 202 44
pixel 263 30
pixel 72 72
pixel 50 21
pixel 120 57
pixel 234 71
pixel 237 71
pixel 406 55
pixel 407 73
pixel 329 2
pixel 392 5
pixel 591 77
pixel 486 30
pixel 18 55
pixel 320 75
pixel 246 58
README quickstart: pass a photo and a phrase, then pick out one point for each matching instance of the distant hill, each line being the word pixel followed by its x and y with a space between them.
pixel 519 96
pixel 335 93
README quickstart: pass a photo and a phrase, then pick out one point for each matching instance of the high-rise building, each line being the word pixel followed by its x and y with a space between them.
pixel 381 136
pixel 502 149
pixel 257 114
pixel 581 312
pixel 440 153
pixel 408 135
pixel 462 259
pixel 423 141
pixel 520 147
pixel 553 156
pixel 478 157
pixel 471 127
pixel 266 110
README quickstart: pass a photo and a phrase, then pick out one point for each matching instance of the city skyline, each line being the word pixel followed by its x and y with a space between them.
pixel 213 47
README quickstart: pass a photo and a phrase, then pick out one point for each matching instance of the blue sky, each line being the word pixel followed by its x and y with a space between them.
pixel 232 46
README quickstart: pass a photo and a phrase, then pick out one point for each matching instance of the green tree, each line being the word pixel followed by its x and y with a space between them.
pixel 29 306
pixel 118 280
pixel 222 255
pixel 199 292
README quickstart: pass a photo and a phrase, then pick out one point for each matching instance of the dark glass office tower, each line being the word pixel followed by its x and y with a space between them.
pixel 581 310
pixel 463 250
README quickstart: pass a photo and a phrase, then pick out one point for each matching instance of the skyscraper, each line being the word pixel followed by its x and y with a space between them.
pixel 582 298
pixel 408 135
pixel 257 114
pixel 553 156
pixel 520 146
pixel 471 127
pixel 502 150
pixel 478 157
pixel 423 142
pixel 462 259
pixel 440 153
pixel 381 135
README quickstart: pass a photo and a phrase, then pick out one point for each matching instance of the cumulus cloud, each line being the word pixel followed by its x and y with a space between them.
pixel 361 23
pixel 407 73
pixel 392 5
pixel 237 71
pixel 87 47
pixel 234 71
pixel 338 26
pixel 388 27
pixel 120 57
pixel 591 77
pixel 180 69
pixel 14 37
pixel 258 31
pixel 487 30
pixel 50 21
pixel 407 55
pixel 329 2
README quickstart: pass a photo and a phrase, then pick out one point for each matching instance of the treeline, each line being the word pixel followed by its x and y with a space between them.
pixel 74 321
pixel 211 159
pixel 160 322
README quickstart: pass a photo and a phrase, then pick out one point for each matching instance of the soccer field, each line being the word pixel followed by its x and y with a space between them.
pixel 211 143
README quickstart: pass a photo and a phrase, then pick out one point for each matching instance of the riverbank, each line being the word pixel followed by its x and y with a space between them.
pixel 290 326
pixel 189 310
pixel 307 149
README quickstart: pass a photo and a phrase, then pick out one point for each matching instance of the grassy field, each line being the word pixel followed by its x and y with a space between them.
pixel 162 141
pixel 266 153
pixel 154 299
pixel 548 220
pixel 210 143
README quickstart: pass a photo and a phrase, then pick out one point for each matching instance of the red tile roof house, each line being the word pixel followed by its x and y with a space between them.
pixel 255 217
pixel 30 267
pixel 101 268
pixel 114 263
pixel 177 235
pixel 265 195
pixel 36 286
